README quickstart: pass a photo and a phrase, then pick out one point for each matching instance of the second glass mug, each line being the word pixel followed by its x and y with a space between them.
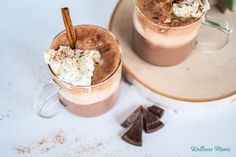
pixel 85 101
pixel 165 46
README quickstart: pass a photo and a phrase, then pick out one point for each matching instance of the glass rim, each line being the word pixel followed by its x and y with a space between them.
pixel 102 82
pixel 167 27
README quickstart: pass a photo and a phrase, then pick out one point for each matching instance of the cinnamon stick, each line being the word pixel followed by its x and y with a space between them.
pixel 203 1
pixel 70 31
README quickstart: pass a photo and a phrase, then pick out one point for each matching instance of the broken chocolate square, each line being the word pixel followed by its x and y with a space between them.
pixel 157 111
pixel 134 134
pixel 131 119
pixel 151 122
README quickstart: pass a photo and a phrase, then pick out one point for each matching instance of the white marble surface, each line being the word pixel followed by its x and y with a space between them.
pixel 26 29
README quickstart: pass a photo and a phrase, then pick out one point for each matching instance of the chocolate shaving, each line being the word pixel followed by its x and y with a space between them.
pixel 157 111
pixel 151 122
pixel 134 134
pixel 131 119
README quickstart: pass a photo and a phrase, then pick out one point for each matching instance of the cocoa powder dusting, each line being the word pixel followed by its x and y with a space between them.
pixel 95 38
pixel 160 12
pixel 74 146
pixel 23 150
pixel 5 115
pixel 59 139
pixel 43 145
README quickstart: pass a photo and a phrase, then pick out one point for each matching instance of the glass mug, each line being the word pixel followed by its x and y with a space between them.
pixel 165 46
pixel 85 101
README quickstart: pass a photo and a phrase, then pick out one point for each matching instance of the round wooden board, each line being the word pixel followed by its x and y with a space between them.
pixel 200 78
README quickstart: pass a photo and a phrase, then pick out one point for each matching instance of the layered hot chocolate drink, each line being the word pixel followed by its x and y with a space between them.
pixel 88 75
pixel 165 30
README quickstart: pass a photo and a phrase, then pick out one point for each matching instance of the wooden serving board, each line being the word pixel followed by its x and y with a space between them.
pixel 202 77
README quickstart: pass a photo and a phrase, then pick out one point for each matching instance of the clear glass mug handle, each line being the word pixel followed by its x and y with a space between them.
pixel 226 29
pixel 46 103
pixel 213 35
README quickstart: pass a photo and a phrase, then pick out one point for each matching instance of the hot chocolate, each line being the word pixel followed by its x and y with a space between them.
pixel 89 75
pixel 165 30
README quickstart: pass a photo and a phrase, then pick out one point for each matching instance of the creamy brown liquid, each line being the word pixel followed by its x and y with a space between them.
pixel 93 109
pixel 161 55
pixel 102 95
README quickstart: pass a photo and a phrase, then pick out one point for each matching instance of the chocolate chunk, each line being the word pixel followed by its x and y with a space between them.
pixel 131 119
pixel 151 122
pixel 157 111
pixel 134 134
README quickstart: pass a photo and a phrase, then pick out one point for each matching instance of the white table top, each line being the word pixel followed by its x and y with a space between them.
pixel 26 29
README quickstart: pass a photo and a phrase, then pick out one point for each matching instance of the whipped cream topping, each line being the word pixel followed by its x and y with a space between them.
pixel 189 8
pixel 73 66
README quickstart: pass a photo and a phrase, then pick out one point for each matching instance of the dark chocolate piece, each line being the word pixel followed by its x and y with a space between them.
pixel 151 122
pixel 157 111
pixel 134 134
pixel 131 119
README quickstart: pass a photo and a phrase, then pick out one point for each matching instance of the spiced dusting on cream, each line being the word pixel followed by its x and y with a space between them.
pixel 95 58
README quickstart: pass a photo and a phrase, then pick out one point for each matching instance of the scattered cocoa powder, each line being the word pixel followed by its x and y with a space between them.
pixel 42 142
pixel 92 148
pixel 59 139
pixel 43 145
pixel 5 115
pixel 23 149
pixel 51 142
